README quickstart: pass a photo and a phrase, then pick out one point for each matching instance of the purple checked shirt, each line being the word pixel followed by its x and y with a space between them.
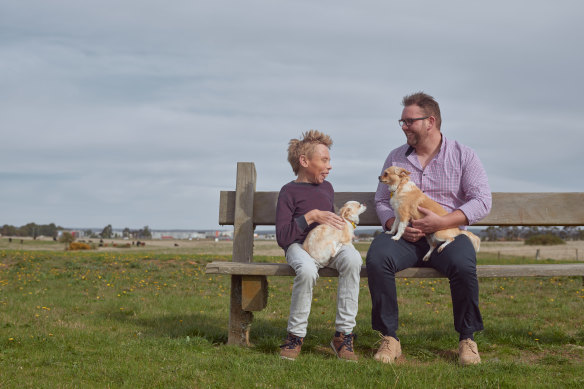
pixel 455 178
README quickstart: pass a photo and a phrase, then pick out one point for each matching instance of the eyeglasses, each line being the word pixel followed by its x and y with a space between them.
pixel 409 122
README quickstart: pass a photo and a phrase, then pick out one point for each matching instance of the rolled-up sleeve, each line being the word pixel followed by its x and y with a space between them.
pixel 476 189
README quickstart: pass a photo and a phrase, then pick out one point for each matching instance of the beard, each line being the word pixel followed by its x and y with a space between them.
pixel 412 139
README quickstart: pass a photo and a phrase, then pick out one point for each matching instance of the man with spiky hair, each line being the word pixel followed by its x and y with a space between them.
pixel 302 205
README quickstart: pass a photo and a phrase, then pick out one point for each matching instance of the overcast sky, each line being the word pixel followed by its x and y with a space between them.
pixel 135 113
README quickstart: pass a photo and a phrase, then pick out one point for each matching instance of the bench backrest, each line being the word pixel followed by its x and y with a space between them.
pixel 245 208
pixel 509 209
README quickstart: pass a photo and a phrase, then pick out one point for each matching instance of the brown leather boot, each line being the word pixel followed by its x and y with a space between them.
pixel 342 345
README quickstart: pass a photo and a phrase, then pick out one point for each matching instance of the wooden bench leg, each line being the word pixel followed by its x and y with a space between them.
pixel 248 293
pixel 239 320
pixel 254 293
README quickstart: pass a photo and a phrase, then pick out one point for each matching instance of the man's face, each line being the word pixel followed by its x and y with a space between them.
pixel 318 165
pixel 418 130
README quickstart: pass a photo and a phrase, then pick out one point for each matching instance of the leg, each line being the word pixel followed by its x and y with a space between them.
pixel 401 228
pixel 458 262
pixel 348 262
pixel 394 225
pixel 385 258
pixel 306 276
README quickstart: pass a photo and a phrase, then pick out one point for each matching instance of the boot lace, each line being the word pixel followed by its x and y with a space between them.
pixel 347 342
pixel 291 342
pixel 385 343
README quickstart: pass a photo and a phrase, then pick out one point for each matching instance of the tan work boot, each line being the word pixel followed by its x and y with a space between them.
pixel 343 346
pixel 468 352
pixel 389 350
pixel 291 347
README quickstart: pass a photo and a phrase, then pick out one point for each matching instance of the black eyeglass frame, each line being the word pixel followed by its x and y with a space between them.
pixel 409 122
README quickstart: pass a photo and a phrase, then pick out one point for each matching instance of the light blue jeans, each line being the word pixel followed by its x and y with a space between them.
pixel 348 263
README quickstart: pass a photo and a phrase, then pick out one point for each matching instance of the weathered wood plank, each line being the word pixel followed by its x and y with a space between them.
pixel 243 212
pixel 239 319
pixel 509 209
pixel 483 271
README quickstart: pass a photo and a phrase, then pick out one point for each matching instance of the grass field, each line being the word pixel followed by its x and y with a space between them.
pixel 150 317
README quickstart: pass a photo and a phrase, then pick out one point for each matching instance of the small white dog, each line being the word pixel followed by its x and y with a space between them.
pixel 405 199
pixel 324 241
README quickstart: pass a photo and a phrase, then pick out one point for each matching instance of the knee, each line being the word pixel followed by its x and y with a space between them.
pixel 463 269
pixel 354 259
pixel 379 253
pixel 349 261
pixel 306 275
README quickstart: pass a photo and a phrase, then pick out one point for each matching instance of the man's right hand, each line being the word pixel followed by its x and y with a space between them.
pixel 410 234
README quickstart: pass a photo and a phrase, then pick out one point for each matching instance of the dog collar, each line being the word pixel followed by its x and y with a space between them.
pixel 352 223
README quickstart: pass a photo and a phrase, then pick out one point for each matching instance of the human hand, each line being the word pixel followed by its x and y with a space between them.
pixel 412 234
pixel 325 217
pixel 429 223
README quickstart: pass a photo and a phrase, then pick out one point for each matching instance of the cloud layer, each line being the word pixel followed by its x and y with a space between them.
pixel 135 113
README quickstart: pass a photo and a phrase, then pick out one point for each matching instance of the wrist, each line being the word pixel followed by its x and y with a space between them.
pixel 310 216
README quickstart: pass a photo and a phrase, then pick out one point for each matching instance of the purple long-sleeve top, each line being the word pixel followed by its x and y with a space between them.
pixel 294 201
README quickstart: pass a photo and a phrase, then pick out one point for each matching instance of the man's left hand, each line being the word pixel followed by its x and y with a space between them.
pixel 429 223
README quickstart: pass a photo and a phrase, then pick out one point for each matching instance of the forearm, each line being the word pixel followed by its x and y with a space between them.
pixel 454 219
pixel 431 222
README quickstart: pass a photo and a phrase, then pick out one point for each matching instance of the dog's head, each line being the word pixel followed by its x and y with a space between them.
pixel 393 176
pixel 351 211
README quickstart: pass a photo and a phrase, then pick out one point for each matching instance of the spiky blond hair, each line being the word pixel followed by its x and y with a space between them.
pixel 306 146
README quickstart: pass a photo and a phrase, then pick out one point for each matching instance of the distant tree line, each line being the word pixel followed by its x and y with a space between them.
pixel 515 233
pixel 494 233
pixel 143 233
pixel 51 230
pixel 31 229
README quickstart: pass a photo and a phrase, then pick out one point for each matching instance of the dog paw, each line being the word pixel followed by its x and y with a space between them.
pixel 396 237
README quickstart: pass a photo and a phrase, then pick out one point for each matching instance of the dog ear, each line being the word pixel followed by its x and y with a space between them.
pixel 404 173
pixel 345 212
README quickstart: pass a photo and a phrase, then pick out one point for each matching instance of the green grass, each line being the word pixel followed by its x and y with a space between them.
pixel 140 319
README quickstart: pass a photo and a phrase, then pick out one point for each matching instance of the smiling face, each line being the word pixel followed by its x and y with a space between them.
pixel 316 167
pixel 416 132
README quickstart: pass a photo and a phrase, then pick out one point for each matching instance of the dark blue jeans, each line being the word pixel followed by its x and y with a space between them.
pixel 457 262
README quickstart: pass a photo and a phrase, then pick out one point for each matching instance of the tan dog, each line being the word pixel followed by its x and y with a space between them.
pixel 324 241
pixel 405 199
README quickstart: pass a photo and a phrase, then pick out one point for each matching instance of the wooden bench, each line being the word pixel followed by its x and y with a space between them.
pixel 245 208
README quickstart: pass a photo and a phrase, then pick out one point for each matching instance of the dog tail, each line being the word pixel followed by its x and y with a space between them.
pixel 475 240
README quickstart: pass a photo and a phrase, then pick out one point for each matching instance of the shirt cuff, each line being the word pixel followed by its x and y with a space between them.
pixel 301 222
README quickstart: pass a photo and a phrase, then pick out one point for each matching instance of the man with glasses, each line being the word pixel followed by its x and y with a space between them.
pixel 451 174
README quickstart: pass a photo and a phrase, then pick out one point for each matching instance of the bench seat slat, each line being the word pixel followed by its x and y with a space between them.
pixel 483 271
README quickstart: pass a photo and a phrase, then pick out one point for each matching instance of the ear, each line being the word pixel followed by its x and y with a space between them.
pixel 431 122
pixel 303 160
pixel 345 212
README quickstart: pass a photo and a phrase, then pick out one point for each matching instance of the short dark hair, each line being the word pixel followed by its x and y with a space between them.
pixel 427 103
